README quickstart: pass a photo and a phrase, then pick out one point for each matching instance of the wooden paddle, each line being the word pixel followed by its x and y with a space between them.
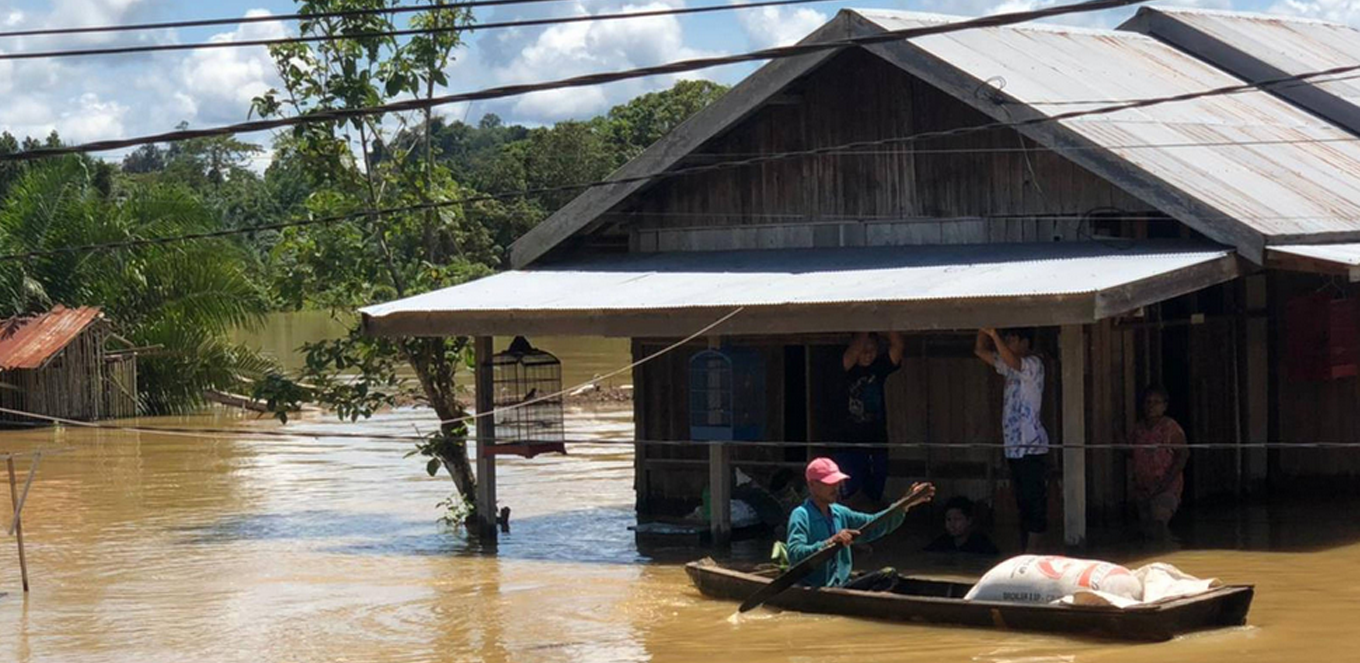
pixel 798 571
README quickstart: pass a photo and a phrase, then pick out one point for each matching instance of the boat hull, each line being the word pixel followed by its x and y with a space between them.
pixel 935 602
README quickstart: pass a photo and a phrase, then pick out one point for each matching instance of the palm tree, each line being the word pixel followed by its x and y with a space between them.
pixel 181 296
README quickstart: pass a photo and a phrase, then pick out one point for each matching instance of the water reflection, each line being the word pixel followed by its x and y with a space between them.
pixel 147 547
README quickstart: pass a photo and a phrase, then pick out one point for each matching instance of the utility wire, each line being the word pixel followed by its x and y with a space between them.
pixel 337 115
pixel 1282 87
pixel 212 433
pixel 1061 148
pixel 754 159
pixel 468 27
pixel 242 20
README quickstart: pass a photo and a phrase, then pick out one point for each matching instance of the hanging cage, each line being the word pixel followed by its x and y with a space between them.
pixel 527 423
pixel 727 395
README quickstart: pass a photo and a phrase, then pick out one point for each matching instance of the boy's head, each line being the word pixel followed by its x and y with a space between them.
pixel 958 516
pixel 868 348
pixel 1019 340
pixel 824 479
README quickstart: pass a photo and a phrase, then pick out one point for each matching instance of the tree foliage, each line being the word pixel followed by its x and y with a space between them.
pixel 183 298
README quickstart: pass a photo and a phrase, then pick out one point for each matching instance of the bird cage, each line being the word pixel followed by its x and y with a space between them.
pixel 727 395
pixel 522 376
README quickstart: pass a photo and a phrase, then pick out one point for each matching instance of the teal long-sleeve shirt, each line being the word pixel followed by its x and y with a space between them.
pixel 809 530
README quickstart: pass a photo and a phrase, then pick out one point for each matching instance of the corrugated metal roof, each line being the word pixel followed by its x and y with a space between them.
pixel 28 342
pixel 1278 190
pixel 1261 46
pixel 1341 254
pixel 1337 259
pixel 672 282
pixel 1242 195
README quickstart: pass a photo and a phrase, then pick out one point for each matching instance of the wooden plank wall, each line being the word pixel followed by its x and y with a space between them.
pixel 1324 411
pixel 70 386
pixel 941 396
pixel 858 97
pixel 120 387
pixel 675 476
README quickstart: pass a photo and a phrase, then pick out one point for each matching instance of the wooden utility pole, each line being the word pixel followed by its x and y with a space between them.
pixel 486 436
pixel 1072 347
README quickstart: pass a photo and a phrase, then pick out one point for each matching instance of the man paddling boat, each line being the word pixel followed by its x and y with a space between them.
pixel 820 522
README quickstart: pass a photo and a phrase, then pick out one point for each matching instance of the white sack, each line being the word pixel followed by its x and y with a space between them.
pixel 1049 578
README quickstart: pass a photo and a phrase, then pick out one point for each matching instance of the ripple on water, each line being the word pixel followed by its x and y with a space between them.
pixel 255 548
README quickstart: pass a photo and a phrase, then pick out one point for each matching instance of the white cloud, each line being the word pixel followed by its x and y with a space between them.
pixel 574 49
pixel 91 118
pixel 1102 19
pixel 217 85
pixel 1343 11
pixel 778 26
pixel 14 18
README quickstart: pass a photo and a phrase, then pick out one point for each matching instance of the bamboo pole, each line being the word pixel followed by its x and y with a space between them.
pixel 18 524
pixel 28 483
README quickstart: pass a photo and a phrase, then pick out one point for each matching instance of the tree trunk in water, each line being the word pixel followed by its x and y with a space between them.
pixel 435 364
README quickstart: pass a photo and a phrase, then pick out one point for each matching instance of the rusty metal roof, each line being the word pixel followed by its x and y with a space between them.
pixel 1247 169
pixel 816 290
pixel 1259 47
pixel 27 342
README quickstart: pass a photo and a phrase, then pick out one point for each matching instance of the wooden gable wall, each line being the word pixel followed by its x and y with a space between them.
pixel 896 194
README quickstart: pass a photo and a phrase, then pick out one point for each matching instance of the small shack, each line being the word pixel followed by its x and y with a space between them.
pixel 59 364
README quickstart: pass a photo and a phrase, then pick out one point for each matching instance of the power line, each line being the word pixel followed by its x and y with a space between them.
pixel 243 20
pixel 754 159
pixel 207 432
pixel 1283 86
pixel 1059 148
pixel 469 27
pixel 336 115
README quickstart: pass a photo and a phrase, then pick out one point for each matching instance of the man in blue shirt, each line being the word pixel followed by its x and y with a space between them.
pixel 820 522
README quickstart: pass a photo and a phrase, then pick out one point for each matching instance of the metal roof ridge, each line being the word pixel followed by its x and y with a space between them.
pixel 934 17
pixel 1253 16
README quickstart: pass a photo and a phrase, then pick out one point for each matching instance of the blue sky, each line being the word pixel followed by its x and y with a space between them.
pixel 95 98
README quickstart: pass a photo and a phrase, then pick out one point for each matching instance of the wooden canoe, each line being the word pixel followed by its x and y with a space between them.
pixel 927 601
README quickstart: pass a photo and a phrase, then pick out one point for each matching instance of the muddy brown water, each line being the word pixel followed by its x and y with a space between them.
pixel 147 547
pixel 156 548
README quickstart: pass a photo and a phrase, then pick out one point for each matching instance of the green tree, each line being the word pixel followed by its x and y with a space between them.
pixel 637 124
pixel 356 167
pixel 183 297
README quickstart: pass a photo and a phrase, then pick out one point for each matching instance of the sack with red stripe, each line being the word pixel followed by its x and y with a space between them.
pixel 1048 578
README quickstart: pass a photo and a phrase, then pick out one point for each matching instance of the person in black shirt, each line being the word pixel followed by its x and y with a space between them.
pixel 959 536
pixel 867 367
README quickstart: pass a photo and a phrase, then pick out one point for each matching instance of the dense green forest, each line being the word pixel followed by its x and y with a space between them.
pixel 371 208
pixel 186 296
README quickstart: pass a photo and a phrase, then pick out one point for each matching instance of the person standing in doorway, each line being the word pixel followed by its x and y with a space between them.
pixel 867 368
pixel 1158 467
pixel 1026 441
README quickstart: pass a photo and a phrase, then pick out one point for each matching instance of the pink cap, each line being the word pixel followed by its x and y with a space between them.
pixel 824 470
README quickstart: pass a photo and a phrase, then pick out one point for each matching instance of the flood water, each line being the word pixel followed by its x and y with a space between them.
pixel 156 548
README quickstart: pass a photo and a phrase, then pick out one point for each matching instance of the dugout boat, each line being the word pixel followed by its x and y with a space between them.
pixel 927 601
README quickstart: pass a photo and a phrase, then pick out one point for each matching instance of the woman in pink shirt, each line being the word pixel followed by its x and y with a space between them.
pixel 1158 464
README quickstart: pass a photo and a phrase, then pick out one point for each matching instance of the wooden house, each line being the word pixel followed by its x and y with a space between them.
pixel 59 364
pixel 926 186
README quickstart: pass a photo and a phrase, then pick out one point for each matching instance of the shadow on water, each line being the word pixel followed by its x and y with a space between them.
pixel 593 535
pixel 1281 525
pixel 298 526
